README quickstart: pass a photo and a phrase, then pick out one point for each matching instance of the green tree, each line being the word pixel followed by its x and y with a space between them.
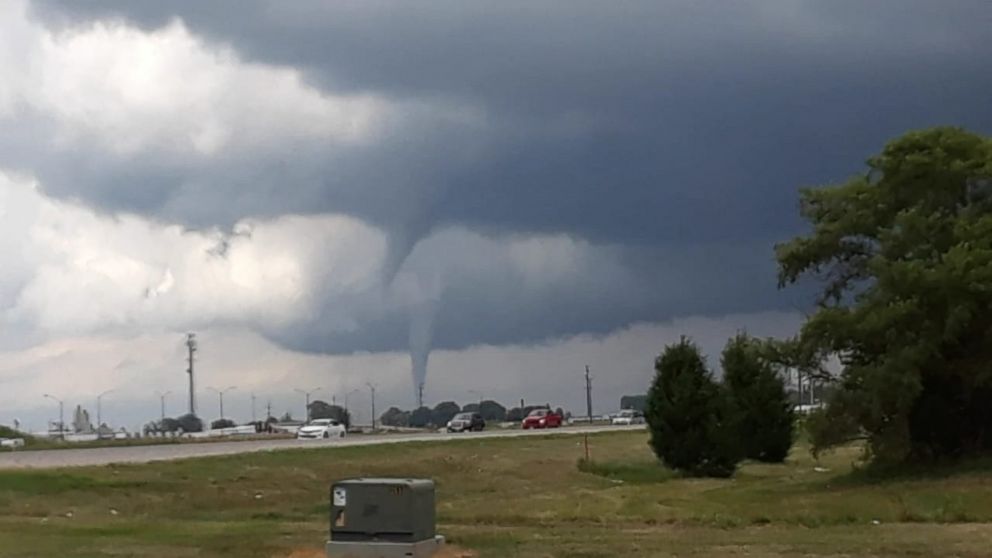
pixel 190 423
pixel 222 423
pixel 757 392
pixel 904 258
pixel 395 417
pixel 690 418
pixel 420 417
pixel 492 411
pixel 443 412
pixel 322 410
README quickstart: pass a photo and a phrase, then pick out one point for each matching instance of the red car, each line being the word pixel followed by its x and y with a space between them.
pixel 543 418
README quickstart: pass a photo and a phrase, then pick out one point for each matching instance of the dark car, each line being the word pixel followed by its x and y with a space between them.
pixel 466 422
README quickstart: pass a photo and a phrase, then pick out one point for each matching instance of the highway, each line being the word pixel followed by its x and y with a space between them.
pixel 49 459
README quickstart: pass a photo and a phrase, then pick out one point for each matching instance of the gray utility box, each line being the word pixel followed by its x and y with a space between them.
pixel 382 518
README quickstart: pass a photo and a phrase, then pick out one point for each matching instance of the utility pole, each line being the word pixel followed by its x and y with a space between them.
pixel 161 397
pixel 348 416
pixel 478 393
pixel 308 394
pixel 220 393
pixel 372 389
pixel 61 415
pixel 191 347
pixel 588 394
pixel 99 413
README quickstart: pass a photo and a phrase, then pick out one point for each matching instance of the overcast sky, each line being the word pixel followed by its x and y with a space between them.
pixel 521 187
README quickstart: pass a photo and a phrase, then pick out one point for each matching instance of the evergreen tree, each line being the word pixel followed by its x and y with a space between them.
pixel 757 393
pixel 903 254
pixel 690 418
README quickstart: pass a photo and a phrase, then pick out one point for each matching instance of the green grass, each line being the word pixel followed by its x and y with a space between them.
pixel 502 498
pixel 645 471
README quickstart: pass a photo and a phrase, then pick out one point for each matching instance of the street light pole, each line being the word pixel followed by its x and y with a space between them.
pixel 372 389
pixel 479 393
pixel 346 403
pixel 161 397
pixel 61 416
pixel 307 394
pixel 220 393
pixel 99 412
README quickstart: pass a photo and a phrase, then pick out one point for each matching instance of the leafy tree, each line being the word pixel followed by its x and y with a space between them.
pixel 471 408
pixel 689 415
pixel 444 412
pixel 190 423
pixel 168 425
pixel 420 417
pixel 395 417
pixel 321 410
pixel 635 402
pixel 904 259
pixel 492 411
pixel 757 393
pixel 222 423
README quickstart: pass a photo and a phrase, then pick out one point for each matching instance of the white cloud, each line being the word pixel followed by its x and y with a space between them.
pixel 84 272
pixel 166 89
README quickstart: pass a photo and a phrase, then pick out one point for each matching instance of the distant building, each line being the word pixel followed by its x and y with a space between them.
pixel 635 402
pixel 81 421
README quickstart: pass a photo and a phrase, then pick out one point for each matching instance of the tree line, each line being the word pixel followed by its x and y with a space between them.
pixel 902 256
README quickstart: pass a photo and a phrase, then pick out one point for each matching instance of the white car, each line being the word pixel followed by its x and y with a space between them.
pixel 11 443
pixel 321 429
pixel 627 417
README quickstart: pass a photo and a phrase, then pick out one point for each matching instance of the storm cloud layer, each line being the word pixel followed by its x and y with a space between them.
pixel 369 176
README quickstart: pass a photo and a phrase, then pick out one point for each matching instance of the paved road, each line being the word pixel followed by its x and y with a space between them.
pixel 48 459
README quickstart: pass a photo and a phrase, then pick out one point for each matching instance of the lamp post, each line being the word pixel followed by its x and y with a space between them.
pixel 346 404
pixel 61 415
pixel 99 412
pixel 161 397
pixel 220 394
pixel 307 394
pixel 372 390
pixel 478 393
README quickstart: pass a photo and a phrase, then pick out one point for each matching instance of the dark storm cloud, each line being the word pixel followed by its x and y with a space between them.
pixel 679 130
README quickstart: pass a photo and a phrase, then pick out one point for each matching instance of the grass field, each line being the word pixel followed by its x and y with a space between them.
pixel 499 498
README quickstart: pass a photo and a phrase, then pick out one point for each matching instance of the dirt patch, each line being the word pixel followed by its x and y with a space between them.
pixel 450 551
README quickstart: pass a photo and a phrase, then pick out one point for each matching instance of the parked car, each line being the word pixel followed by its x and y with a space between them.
pixel 321 428
pixel 542 418
pixel 466 422
pixel 627 417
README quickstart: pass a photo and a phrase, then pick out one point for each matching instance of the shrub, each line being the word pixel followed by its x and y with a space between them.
pixel 222 423
pixel 757 393
pixel 689 416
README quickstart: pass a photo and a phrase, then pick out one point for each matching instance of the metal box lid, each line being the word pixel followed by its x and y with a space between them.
pixel 382 509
